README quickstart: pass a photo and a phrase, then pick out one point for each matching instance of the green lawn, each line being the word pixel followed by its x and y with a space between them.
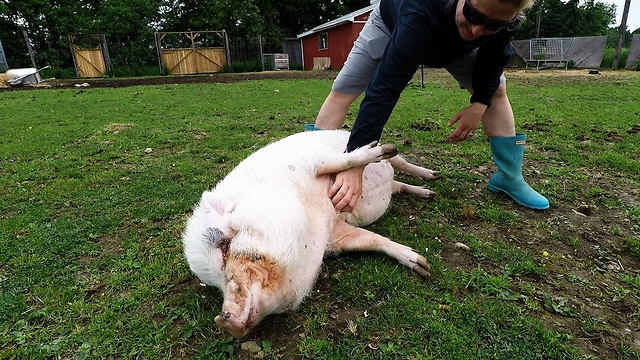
pixel 96 184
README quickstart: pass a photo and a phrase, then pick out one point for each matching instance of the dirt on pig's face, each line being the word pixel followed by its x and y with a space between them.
pixel 253 291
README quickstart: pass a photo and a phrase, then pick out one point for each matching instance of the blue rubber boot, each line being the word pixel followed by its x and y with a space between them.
pixel 507 154
pixel 310 127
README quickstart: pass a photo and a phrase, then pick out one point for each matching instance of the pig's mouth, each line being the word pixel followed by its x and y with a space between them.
pixel 247 293
pixel 241 311
pixel 236 319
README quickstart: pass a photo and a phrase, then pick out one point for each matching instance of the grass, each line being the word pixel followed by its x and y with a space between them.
pixel 95 186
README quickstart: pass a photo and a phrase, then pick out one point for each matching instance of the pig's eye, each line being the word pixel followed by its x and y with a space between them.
pixel 213 236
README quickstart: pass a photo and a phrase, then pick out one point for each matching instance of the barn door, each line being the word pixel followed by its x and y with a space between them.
pixel 90 55
pixel 194 52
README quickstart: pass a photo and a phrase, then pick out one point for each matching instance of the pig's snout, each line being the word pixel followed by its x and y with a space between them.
pixel 232 324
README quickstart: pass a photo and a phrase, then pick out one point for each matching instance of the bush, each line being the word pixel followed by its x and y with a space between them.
pixel 243 66
pixel 607 58
pixel 58 73
pixel 136 71
pixel 295 66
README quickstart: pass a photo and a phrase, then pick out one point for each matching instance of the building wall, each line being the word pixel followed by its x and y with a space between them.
pixel 339 40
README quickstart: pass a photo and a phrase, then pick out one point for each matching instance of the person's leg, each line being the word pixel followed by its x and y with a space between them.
pixel 507 147
pixel 361 64
pixel 498 119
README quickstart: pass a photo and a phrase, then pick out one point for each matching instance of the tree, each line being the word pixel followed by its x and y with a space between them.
pixel 554 18
pixel 612 38
pixel 128 28
pixel 129 25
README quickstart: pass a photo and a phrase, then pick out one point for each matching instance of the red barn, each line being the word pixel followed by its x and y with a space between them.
pixel 326 46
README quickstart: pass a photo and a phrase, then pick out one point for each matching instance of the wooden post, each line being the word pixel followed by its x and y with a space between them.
pixel 621 31
pixel 73 54
pixel 105 54
pixel 31 54
pixel 159 51
pixel 226 47
pixel 261 57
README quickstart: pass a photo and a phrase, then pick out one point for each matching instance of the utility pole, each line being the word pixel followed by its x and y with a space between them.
pixel 538 23
pixel 621 32
pixel 538 17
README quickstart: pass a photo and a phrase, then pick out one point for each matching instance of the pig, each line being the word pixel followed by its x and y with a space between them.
pixel 261 234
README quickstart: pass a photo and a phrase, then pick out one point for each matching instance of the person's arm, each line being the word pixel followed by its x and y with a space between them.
pixel 401 59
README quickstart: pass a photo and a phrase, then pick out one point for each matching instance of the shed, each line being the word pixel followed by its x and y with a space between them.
pixel 327 46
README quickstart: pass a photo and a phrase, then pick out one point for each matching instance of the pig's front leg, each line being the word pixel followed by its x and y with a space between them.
pixel 361 156
pixel 345 237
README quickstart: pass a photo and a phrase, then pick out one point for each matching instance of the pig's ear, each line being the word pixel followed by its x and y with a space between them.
pixel 216 203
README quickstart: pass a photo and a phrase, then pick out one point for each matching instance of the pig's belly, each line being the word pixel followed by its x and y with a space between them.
pixel 377 188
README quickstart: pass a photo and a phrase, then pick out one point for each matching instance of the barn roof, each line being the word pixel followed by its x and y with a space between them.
pixel 349 18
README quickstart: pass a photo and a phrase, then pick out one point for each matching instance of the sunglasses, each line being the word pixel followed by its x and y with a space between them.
pixel 473 16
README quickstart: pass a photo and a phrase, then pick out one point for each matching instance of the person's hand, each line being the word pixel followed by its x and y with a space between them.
pixel 468 120
pixel 346 189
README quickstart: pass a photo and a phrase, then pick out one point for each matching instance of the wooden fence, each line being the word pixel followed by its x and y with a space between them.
pixel 581 52
pixel 90 60
pixel 180 58
pixel 634 53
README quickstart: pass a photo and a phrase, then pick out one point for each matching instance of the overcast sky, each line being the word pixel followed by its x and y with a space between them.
pixel 633 20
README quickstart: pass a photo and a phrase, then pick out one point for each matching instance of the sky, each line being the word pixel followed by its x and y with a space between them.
pixel 633 20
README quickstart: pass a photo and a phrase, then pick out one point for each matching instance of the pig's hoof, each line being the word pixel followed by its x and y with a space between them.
pixel 388 151
pixel 426 193
pixel 434 175
pixel 422 267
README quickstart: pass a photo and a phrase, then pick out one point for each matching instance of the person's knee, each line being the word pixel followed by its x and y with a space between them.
pixel 340 98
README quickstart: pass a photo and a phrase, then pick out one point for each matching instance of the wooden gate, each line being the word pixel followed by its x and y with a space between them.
pixel 90 55
pixel 192 52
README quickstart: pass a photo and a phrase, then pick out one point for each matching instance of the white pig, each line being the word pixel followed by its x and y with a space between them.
pixel 261 234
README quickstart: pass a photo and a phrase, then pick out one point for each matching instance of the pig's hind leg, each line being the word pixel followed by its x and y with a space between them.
pixel 361 156
pixel 347 238
pixel 421 191
pixel 400 164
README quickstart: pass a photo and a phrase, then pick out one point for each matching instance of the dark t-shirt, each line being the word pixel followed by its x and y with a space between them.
pixel 423 32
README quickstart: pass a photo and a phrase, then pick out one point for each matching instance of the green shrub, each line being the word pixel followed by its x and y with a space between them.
pixel 136 71
pixel 295 66
pixel 607 58
pixel 58 73
pixel 243 66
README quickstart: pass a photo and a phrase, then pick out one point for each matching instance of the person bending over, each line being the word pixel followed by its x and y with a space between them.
pixel 468 38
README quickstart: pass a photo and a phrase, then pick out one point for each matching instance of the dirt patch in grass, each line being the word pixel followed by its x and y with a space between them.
pixel 172 80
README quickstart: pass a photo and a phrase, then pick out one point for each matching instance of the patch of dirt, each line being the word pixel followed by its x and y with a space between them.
pixel 170 80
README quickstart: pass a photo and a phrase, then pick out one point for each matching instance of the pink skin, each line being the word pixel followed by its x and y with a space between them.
pixel 490 9
pixel 248 296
